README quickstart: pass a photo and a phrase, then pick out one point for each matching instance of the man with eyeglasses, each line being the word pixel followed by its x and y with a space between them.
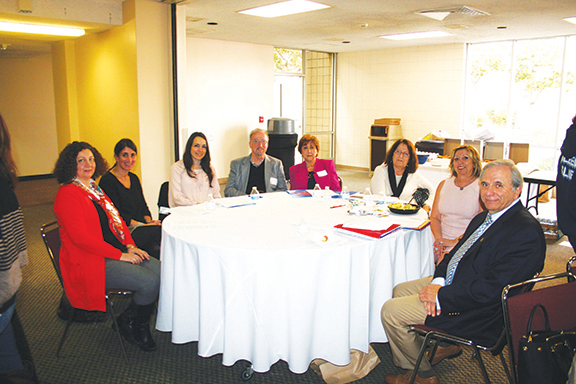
pixel 259 170
pixel 502 245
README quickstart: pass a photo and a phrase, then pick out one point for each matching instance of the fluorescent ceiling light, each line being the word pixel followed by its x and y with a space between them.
pixel 571 19
pixel 40 29
pixel 416 35
pixel 284 8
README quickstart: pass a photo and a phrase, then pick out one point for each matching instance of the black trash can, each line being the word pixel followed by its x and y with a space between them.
pixel 282 141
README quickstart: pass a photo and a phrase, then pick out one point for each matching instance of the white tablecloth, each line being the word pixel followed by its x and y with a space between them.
pixel 245 282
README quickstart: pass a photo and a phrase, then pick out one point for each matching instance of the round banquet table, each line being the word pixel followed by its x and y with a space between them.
pixel 246 280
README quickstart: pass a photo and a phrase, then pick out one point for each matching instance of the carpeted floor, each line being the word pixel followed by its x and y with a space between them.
pixel 92 353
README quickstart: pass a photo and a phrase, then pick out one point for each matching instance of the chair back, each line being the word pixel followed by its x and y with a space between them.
pixel 163 200
pixel 571 267
pixel 51 235
pixel 559 300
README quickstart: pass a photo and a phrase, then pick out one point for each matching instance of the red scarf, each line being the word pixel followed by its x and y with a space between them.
pixel 114 220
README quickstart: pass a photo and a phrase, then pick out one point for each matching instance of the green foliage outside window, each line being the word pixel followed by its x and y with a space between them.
pixel 287 60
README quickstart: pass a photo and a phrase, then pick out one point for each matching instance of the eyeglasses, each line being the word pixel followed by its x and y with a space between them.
pixel 259 142
pixel 403 154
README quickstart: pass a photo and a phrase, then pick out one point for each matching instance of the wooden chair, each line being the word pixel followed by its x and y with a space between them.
pixel 560 303
pixel 51 236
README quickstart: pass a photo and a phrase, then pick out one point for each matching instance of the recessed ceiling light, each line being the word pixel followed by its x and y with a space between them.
pixel 284 8
pixel 571 19
pixel 40 29
pixel 416 35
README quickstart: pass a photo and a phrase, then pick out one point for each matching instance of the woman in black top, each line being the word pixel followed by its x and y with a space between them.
pixel 124 189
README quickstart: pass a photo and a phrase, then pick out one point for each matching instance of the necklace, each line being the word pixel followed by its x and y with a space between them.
pixel 458 184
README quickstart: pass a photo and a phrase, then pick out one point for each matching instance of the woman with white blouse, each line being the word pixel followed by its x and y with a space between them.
pixel 193 178
pixel 398 176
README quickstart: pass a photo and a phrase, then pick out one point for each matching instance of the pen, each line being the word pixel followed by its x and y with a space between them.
pixel 338 206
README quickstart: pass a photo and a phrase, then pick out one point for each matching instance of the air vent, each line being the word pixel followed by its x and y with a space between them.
pixel 173 1
pixel 441 13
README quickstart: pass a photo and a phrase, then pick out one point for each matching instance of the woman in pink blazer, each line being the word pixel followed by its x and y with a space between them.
pixel 313 170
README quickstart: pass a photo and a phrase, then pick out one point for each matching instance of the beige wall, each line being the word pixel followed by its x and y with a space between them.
pixel 154 78
pixel 229 85
pixel 421 85
pixel 27 104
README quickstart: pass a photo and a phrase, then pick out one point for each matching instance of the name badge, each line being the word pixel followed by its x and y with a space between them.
pixel 273 181
pixel 322 173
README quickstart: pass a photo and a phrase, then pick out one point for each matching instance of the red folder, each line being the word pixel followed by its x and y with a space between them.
pixel 369 232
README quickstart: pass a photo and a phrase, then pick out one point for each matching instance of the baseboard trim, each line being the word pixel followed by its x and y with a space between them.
pixel 351 168
pixel 36 177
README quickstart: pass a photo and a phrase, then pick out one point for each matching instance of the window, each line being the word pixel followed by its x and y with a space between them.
pixel 522 91
pixel 306 78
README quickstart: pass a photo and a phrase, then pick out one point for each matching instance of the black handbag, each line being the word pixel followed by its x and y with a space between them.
pixel 544 357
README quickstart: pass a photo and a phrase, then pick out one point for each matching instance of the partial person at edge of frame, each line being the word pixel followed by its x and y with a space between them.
pixel 456 201
pixel 97 249
pixel 12 259
pixel 566 185
pixel 258 169
pixel 125 190
pixel 313 170
pixel 193 178
pixel 398 175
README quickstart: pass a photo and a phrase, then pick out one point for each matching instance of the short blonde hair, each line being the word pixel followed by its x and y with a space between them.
pixel 473 152
pixel 255 131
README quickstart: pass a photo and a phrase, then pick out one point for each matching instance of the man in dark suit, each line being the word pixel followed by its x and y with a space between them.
pixel 503 245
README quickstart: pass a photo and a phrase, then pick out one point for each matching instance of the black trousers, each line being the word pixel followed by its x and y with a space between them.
pixel 148 237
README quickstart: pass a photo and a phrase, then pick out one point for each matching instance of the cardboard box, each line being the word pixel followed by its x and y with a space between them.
pixel 519 152
pixel 387 121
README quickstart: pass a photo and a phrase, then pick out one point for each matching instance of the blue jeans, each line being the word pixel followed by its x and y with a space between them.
pixel 9 356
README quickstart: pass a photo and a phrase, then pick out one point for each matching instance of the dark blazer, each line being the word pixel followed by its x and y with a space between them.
pixel 328 178
pixel 512 250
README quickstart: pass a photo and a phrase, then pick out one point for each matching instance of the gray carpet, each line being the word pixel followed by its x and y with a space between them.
pixel 92 352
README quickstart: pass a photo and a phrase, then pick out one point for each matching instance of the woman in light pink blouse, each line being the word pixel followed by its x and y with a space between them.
pixel 193 178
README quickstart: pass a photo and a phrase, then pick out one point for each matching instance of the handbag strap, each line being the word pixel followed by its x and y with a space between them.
pixel 546 321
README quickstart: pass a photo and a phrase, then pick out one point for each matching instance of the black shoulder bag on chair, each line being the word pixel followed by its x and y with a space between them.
pixel 544 357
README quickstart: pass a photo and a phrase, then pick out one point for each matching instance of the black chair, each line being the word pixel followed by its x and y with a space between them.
pixel 163 201
pixel 340 182
pixel 571 267
pixel 51 236
pixel 560 303
pixel 433 334
pixel 436 335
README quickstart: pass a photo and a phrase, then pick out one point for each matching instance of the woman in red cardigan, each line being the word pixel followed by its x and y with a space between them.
pixel 97 250
pixel 313 170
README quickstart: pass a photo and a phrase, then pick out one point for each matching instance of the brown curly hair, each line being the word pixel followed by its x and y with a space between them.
pixel 66 166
